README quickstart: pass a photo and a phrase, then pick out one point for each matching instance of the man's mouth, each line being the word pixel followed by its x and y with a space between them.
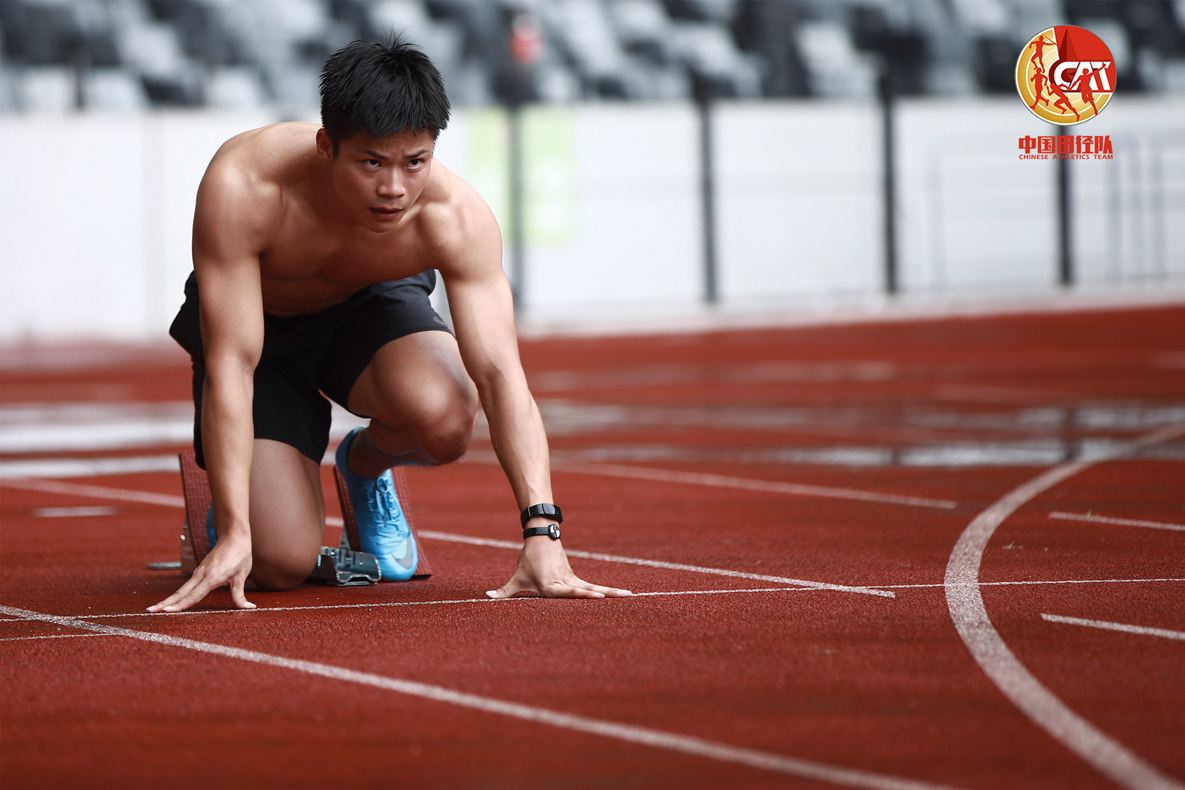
pixel 385 212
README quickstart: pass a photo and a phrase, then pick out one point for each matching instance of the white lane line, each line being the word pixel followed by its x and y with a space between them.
pixel 629 733
pixel 1027 583
pixel 569 418
pixel 104 492
pixel 993 394
pixel 746 484
pixel 86 467
pixel 1109 626
pixel 679 374
pixel 396 604
pixel 674 566
pixel 73 512
pixel 1173 360
pixel 651 594
pixel 1123 522
pixel 991 653
pixel 46 636
pixel 98 492
pixel 126 425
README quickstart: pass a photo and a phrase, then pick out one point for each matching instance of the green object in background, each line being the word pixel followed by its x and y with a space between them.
pixel 486 169
pixel 549 155
pixel 550 162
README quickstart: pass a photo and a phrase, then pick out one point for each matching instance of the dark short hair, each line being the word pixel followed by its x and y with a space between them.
pixel 381 89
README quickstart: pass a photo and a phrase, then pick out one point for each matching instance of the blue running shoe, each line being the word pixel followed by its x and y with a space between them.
pixel 382 527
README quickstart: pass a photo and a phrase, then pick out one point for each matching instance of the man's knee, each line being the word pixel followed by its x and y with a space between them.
pixel 445 430
pixel 440 422
pixel 447 444
pixel 280 574
pixel 283 564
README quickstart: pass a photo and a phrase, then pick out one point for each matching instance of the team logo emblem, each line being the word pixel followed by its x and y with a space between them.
pixel 1065 75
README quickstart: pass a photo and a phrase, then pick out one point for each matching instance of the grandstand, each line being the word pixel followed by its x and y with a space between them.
pixel 104 55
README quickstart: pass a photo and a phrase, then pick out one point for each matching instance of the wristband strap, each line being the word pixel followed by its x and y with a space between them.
pixel 551 530
pixel 542 509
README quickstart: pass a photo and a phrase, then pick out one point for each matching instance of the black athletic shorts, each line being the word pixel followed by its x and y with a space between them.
pixel 307 355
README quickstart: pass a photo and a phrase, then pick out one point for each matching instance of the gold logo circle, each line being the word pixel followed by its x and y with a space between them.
pixel 1065 75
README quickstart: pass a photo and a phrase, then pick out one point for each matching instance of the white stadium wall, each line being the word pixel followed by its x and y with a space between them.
pixel 95 210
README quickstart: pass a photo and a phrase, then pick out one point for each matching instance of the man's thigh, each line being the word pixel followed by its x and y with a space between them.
pixel 287 514
pixel 415 381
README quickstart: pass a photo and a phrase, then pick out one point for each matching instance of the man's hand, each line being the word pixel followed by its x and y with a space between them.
pixel 543 568
pixel 229 562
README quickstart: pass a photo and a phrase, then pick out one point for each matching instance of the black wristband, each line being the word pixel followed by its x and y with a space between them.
pixel 542 509
pixel 551 530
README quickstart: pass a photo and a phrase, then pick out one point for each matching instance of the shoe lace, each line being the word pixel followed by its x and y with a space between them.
pixel 384 502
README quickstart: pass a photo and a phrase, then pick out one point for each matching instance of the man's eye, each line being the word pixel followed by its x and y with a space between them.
pixel 415 162
pixel 373 162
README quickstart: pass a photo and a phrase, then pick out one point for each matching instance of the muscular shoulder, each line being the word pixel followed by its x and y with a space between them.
pixel 459 228
pixel 242 191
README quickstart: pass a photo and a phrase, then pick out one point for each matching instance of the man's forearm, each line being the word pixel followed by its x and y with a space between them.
pixel 227 435
pixel 516 429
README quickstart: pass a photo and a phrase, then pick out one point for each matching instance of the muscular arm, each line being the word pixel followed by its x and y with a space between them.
pixel 483 315
pixel 230 224
pixel 226 260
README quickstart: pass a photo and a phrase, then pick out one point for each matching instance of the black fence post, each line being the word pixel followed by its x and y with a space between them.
pixel 703 104
pixel 525 41
pixel 1065 249
pixel 885 90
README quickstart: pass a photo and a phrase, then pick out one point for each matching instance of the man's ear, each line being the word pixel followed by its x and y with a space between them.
pixel 324 144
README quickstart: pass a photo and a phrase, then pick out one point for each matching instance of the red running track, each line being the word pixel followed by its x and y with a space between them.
pixel 790 503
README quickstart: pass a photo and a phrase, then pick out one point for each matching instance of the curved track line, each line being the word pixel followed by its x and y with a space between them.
pixel 629 733
pixel 967 610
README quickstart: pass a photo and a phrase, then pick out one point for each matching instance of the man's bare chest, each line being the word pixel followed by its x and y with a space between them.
pixel 308 273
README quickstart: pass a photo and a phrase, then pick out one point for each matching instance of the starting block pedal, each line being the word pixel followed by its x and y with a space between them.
pixel 345 565
pixel 344 568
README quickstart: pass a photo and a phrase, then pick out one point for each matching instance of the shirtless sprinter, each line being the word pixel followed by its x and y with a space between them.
pixel 314 249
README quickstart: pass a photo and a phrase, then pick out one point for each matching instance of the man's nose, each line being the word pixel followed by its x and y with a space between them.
pixel 391 186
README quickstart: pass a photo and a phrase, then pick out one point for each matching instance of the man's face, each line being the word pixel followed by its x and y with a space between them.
pixel 377 179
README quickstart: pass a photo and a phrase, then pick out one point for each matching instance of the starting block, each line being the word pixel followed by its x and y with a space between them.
pixel 344 568
pixel 195 543
pixel 343 565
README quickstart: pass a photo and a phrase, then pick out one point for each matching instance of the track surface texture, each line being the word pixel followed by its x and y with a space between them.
pixel 944 552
